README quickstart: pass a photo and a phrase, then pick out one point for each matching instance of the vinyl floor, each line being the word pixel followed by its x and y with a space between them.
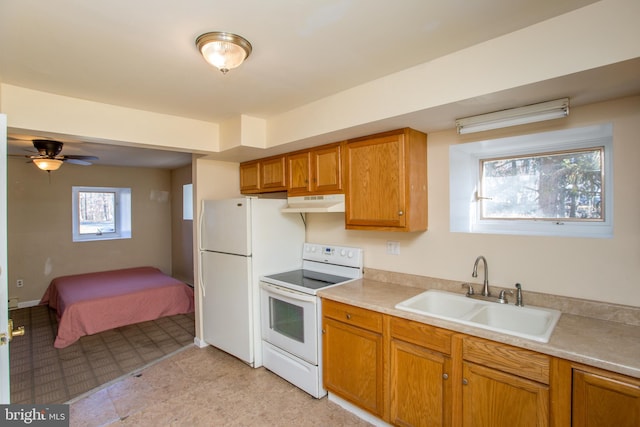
pixel 41 373
pixel 203 387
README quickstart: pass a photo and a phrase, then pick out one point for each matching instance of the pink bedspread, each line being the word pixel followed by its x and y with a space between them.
pixel 94 302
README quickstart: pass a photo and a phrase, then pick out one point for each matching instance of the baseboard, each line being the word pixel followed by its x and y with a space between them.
pixel 200 343
pixel 360 413
pixel 26 304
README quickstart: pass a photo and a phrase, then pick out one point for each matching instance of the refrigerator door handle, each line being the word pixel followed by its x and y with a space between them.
pixel 201 277
pixel 200 222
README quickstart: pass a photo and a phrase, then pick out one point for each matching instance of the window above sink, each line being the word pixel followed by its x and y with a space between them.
pixel 548 184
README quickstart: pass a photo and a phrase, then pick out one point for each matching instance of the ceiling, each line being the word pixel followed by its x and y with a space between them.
pixel 142 55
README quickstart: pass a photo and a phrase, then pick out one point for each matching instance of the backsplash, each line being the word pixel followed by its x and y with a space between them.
pixel 594 309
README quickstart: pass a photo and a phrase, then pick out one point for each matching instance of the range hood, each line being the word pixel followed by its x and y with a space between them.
pixel 322 203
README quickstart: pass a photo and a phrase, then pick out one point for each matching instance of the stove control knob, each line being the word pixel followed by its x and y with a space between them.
pixel 350 255
pixel 343 253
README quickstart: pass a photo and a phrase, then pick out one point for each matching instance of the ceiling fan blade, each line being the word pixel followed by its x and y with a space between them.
pixel 22 156
pixel 77 161
pixel 80 157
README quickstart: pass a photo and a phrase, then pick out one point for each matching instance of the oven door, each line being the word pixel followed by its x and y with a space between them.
pixel 290 321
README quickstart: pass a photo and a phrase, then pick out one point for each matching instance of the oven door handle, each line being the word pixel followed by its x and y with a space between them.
pixel 288 293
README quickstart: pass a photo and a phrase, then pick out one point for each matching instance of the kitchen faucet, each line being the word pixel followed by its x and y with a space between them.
pixel 485 288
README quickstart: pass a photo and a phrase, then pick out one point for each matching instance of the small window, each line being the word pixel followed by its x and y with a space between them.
pixel 552 184
pixel 101 213
pixel 187 202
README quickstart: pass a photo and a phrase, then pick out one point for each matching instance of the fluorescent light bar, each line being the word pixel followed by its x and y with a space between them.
pixel 514 116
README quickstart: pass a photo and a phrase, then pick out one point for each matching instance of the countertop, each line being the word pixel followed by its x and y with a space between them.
pixel 609 345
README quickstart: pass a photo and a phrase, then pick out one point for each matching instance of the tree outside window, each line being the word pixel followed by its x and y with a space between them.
pixel 546 186
pixel 96 212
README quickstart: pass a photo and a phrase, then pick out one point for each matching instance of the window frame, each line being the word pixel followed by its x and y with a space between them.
pixel 465 176
pixel 122 214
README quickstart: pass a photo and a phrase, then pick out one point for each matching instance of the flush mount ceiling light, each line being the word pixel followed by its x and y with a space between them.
pixel 224 51
pixel 48 164
pixel 514 116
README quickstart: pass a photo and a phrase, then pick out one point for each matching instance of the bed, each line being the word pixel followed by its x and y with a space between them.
pixel 89 303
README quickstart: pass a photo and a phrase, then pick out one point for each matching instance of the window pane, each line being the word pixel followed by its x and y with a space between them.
pixel 187 202
pixel 287 319
pixel 96 212
pixel 565 185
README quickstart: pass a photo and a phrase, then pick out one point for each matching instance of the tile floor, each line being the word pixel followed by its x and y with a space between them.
pixel 205 387
pixel 41 373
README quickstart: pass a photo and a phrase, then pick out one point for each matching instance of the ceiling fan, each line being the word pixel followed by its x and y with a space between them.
pixel 49 157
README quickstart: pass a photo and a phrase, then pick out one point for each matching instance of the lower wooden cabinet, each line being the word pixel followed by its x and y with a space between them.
pixel 420 386
pixel 493 398
pixel 503 385
pixel 353 355
pixel 412 374
pixel 602 399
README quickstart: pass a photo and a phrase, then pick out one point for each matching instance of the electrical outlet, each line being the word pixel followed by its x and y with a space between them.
pixel 20 283
pixel 393 248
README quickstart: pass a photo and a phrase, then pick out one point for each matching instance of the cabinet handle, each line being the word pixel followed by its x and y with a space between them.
pixel 323 331
pixel 465 381
pixel 348 316
pixel 445 376
pixel 400 213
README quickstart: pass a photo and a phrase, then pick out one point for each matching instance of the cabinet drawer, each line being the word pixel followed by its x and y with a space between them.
pixel 503 357
pixel 352 315
pixel 420 334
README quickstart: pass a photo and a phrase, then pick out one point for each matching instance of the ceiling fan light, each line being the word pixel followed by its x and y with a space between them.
pixel 224 51
pixel 48 164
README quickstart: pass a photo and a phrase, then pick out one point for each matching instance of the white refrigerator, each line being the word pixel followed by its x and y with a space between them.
pixel 241 240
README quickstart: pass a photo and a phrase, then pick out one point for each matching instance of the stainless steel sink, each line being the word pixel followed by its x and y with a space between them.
pixel 535 323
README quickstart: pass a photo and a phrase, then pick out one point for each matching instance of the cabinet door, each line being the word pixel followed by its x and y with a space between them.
pixel 250 177
pixel 273 174
pixel 299 173
pixel 494 399
pixel 420 386
pixel 353 364
pixel 599 401
pixel 375 175
pixel 327 170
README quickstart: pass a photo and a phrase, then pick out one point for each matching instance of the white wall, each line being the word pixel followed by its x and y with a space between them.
pixel 596 269
pixel 40 224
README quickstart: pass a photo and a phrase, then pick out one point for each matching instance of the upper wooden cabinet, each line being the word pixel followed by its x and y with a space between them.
pixel 386 181
pixel 263 176
pixel 316 171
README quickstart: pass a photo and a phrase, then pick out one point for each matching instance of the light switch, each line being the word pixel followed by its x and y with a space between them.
pixel 393 248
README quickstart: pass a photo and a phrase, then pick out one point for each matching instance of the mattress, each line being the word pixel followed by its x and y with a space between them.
pixel 89 303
